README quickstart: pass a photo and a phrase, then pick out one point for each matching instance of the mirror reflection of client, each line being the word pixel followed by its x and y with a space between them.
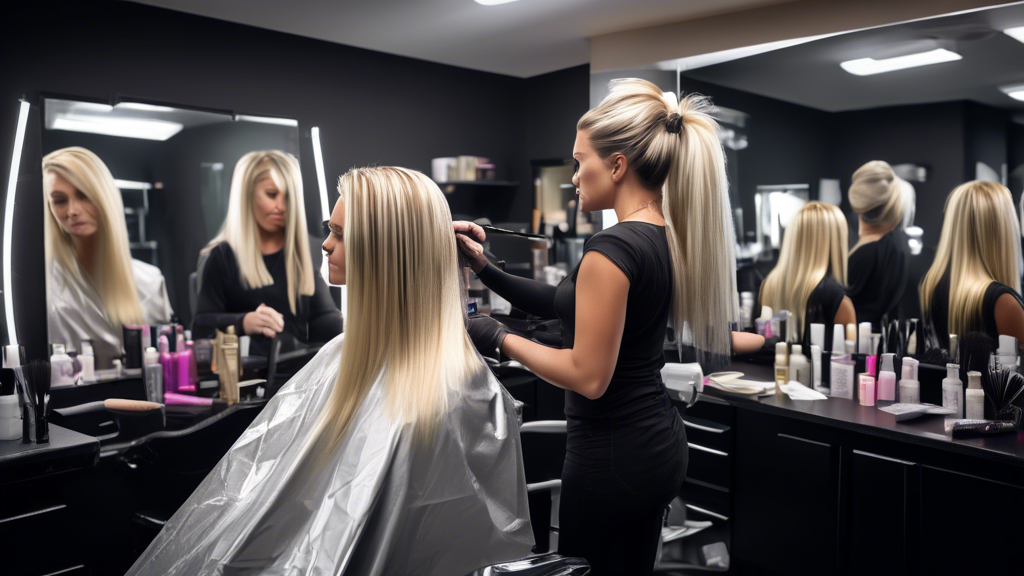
pixel 878 269
pixel 974 282
pixel 810 276
pixel 258 275
pixel 94 287
pixel 394 451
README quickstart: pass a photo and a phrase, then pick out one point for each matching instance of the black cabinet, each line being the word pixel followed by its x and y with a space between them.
pixel 969 524
pixel 786 498
pixel 877 514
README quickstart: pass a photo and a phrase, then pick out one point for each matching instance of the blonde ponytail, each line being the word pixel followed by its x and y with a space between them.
pixel 676 148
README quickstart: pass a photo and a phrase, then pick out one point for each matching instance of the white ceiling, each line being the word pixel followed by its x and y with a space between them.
pixel 523 38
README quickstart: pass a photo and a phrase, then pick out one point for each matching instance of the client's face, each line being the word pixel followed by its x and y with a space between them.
pixel 76 214
pixel 269 204
pixel 334 245
pixel 593 178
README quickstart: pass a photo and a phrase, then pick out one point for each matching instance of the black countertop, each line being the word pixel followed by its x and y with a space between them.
pixel 67 450
pixel 849 414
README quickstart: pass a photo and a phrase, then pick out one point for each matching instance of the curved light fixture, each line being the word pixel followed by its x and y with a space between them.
pixel 493 2
pixel 869 66
pixel 12 189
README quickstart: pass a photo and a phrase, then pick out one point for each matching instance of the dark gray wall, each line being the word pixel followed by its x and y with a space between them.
pixel 372 108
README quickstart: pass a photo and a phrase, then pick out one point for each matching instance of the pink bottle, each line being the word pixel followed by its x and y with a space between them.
pixel 167 361
pixel 185 362
pixel 886 388
pixel 866 394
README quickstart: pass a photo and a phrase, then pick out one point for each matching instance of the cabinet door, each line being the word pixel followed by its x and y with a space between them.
pixel 969 525
pixel 787 498
pixel 876 506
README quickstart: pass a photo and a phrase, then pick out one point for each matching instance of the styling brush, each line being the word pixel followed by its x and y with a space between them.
pixel 1004 390
pixel 39 374
pixel 975 349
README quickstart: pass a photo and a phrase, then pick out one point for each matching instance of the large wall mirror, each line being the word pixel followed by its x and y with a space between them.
pixel 172 169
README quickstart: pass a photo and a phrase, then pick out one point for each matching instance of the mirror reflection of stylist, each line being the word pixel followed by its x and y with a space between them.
pixel 626 450
pixel 810 276
pixel 974 282
pixel 94 287
pixel 258 276
pixel 877 271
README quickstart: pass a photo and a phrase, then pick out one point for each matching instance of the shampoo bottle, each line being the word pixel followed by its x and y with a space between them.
pixel 62 368
pixel 887 379
pixel 781 367
pixel 866 389
pixel 1007 353
pixel 953 391
pixel 816 369
pixel 88 361
pixel 910 388
pixel 975 397
pixel 838 340
pixel 864 338
pixel 154 376
pixel 799 366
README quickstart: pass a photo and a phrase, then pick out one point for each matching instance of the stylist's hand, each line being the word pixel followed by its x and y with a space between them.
pixel 265 321
pixel 470 244
pixel 486 333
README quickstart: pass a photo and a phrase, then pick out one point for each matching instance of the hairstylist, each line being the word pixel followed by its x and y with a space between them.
pixel 660 166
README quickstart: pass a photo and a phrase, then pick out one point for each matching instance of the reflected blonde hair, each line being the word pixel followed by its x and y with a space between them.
pixel 114 281
pixel 980 244
pixel 241 231
pixel 404 319
pixel 689 168
pixel 876 195
pixel 815 244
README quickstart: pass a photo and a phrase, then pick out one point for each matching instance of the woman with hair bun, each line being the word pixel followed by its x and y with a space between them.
pixel 877 266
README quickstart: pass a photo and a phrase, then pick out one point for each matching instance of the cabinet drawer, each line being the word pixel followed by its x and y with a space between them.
pixel 709 433
pixel 709 465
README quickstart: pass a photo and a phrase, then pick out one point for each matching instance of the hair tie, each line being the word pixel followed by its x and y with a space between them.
pixel 674 123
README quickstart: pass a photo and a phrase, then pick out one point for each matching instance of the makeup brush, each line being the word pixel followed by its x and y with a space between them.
pixel 39 374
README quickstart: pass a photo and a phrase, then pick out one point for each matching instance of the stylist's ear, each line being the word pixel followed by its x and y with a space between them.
pixel 618 167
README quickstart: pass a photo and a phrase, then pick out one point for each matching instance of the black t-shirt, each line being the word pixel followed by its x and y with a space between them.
pixel 822 305
pixel 223 301
pixel 938 315
pixel 877 276
pixel 640 250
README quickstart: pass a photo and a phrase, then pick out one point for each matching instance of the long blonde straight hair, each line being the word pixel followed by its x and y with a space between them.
pixel 404 319
pixel 114 281
pixel 876 195
pixel 241 231
pixel 637 121
pixel 980 244
pixel 815 244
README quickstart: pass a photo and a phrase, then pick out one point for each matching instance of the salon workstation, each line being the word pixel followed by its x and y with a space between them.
pixel 512 287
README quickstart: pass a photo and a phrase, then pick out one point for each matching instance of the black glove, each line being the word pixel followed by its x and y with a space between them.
pixel 486 333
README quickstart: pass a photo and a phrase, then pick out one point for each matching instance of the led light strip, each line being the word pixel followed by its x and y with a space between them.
pixel 12 189
pixel 318 157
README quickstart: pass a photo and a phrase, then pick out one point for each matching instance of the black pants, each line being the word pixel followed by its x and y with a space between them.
pixel 616 483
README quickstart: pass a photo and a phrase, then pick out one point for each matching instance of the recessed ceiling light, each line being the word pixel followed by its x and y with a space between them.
pixel 123 127
pixel 493 2
pixel 1015 33
pixel 1016 91
pixel 868 66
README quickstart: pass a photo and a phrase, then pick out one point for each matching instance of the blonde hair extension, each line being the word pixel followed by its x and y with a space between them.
pixel 815 244
pixel 675 147
pixel 241 231
pixel 876 195
pixel 980 244
pixel 115 283
pixel 405 319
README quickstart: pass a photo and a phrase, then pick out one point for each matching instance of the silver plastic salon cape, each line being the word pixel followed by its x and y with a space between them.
pixel 75 311
pixel 384 504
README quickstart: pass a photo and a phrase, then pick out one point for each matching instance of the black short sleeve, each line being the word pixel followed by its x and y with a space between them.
pixel 988 306
pixel 620 251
